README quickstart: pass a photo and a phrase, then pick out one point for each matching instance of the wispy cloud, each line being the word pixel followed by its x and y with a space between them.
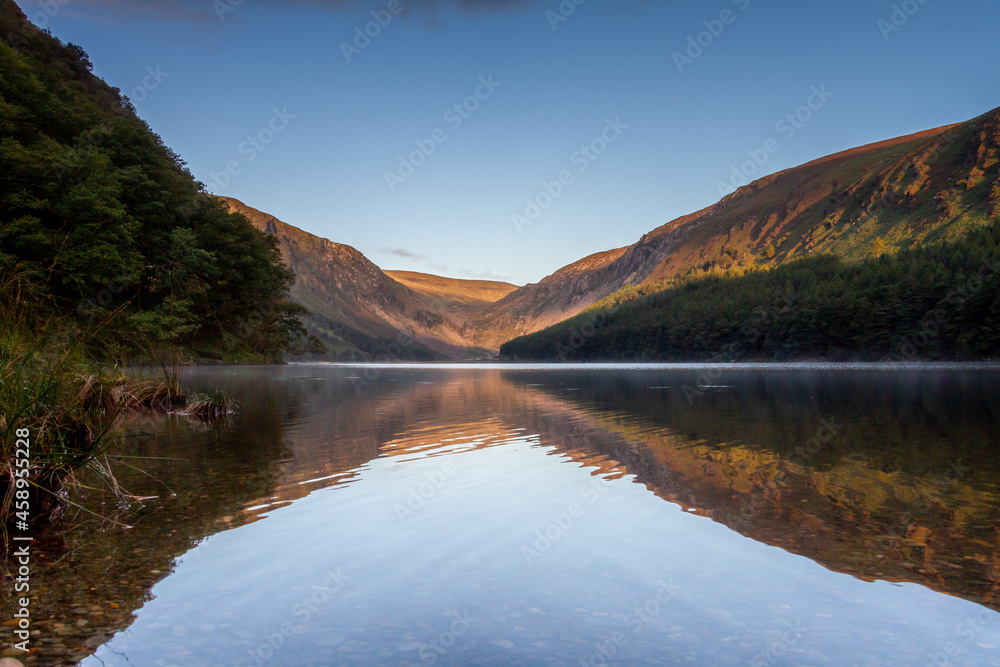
pixel 483 275
pixel 402 252
pixel 439 269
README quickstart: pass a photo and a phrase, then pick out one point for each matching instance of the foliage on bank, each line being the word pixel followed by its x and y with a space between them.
pixel 110 252
pixel 108 230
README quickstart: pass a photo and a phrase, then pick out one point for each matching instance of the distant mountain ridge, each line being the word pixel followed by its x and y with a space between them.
pixel 359 311
pixel 934 185
pixel 937 184
pixel 453 291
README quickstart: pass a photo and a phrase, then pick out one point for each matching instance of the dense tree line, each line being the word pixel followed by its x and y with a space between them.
pixel 939 301
pixel 104 228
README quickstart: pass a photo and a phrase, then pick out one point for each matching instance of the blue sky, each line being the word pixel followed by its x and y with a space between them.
pixel 575 132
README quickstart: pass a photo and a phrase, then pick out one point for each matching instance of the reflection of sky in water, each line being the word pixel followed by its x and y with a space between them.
pixel 478 543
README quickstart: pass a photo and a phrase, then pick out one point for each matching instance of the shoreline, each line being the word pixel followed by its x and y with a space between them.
pixel 638 365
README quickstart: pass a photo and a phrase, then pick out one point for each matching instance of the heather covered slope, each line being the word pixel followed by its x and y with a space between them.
pixel 937 301
pixel 895 194
pixel 903 192
pixel 452 291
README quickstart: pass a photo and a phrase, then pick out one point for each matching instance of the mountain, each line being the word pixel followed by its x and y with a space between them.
pixel 900 193
pixel 938 301
pixel 452 292
pixel 360 312
pixel 104 225
pixel 556 298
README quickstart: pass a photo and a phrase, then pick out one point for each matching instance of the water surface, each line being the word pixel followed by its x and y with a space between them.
pixel 538 515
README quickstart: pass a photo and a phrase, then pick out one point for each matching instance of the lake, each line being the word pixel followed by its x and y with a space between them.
pixel 531 515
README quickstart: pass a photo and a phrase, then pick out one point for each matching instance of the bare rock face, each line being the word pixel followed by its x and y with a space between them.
pixel 360 311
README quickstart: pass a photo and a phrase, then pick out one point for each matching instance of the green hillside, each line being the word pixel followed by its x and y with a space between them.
pixel 936 301
pixel 106 237
pixel 900 193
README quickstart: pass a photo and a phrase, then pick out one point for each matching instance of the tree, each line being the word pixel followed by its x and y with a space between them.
pixel 878 248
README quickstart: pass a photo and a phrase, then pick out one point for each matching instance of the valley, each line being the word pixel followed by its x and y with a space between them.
pixel 936 185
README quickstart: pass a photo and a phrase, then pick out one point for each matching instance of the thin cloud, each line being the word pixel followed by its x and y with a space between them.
pixel 483 275
pixel 402 252
pixel 440 269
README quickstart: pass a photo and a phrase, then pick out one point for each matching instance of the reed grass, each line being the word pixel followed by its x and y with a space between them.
pixel 214 406
pixel 70 403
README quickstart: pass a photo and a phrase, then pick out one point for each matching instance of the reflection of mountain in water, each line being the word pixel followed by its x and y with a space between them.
pixel 877 500
pixel 906 490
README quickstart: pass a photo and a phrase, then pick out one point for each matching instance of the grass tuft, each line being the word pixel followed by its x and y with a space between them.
pixel 69 403
pixel 216 405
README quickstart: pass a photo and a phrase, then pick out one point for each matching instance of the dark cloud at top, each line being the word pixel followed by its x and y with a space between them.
pixel 212 9
pixel 183 10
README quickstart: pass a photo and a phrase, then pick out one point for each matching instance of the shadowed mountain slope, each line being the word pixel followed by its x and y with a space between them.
pixel 357 310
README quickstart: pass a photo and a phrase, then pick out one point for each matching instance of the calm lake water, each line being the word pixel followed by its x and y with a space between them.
pixel 524 515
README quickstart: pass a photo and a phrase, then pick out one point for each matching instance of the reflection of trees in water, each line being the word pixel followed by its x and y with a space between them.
pixel 203 478
pixel 91 568
pixel 907 490
pixel 917 423
pixel 197 478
